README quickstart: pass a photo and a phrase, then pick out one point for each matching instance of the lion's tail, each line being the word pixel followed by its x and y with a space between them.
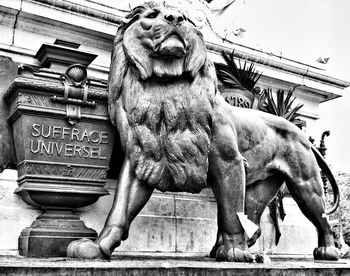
pixel 326 170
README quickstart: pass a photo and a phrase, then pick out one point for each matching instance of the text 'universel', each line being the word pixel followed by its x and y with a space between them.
pixel 69 142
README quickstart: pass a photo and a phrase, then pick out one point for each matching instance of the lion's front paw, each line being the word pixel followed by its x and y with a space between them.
pixel 84 249
pixel 226 253
pixel 329 253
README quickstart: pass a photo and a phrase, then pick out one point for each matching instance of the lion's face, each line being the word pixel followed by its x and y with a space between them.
pixel 162 42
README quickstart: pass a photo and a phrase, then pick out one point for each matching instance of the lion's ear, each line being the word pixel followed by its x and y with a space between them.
pixel 116 75
pixel 197 56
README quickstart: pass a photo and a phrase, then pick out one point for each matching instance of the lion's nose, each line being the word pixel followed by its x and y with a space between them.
pixel 174 17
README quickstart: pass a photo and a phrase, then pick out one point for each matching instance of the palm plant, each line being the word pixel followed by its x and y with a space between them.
pixel 239 76
pixel 282 107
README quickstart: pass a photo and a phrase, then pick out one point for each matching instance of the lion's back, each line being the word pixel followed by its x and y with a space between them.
pixel 255 127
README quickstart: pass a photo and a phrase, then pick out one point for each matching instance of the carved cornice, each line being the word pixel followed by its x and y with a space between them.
pixel 73 172
pixel 39 81
pixel 279 65
pixel 36 92
pixel 49 54
pixel 82 10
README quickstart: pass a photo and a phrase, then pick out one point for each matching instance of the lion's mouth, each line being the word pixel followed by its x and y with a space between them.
pixel 173 46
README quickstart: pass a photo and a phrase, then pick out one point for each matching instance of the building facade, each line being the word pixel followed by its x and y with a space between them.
pixel 170 223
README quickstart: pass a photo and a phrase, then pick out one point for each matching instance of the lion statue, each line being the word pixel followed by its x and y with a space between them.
pixel 180 135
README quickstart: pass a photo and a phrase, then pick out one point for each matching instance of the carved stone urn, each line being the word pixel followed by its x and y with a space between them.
pixel 63 140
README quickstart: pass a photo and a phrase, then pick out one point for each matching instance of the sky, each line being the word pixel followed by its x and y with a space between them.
pixel 305 30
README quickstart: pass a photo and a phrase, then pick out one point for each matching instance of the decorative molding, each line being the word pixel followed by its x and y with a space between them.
pixel 61 170
pixel 82 10
pixel 40 100
pixel 44 102
pixel 305 73
pixel 49 54
pixel 31 92
pixel 37 82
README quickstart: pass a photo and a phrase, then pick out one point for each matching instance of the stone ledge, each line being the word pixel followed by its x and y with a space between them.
pixel 148 265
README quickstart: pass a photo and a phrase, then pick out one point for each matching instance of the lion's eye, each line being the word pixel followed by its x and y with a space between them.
pixel 152 14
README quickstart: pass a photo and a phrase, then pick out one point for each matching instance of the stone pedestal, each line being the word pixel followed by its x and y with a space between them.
pixel 63 140
pixel 50 234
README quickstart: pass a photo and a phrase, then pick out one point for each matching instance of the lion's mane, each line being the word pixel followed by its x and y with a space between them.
pixel 164 120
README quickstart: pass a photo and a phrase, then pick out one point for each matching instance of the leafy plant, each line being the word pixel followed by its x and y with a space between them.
pixel 237 76
pixel 282 107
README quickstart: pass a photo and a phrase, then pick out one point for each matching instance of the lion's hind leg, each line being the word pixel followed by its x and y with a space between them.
pixel 305 185
pixel 258 195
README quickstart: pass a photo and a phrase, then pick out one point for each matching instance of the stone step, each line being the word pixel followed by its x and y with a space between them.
pixel 149 265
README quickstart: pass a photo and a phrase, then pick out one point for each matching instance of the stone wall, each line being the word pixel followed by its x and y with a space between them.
pixel 15 215
pixel 169 223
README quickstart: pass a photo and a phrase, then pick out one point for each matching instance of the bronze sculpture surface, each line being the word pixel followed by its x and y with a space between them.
pixel 179 134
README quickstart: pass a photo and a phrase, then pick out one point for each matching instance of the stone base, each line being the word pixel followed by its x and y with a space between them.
pixel 51 233
pixel 167 265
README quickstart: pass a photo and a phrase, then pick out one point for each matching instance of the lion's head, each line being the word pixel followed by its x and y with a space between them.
pixel 161 93
pixel 161 41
